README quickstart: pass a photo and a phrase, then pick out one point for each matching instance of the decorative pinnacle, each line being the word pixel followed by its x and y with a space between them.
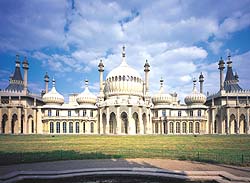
pixel 161 81
pixel 100 66
pixel 221 64
pixel 25 63
pixel 146 66
pixel 201 77
pixel 17 58
pixel 46 77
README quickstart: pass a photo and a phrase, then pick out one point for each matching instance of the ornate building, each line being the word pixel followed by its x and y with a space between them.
pixel 124 106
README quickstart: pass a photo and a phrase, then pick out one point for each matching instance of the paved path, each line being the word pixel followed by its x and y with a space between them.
pixel 126 163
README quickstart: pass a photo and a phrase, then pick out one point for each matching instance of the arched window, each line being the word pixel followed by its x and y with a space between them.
pixel 51 129
pixel 191 128
pixel 91 113
pixel 84 112
pixel 171 127
pixel 197 127
pixel 164 113
pixel 191 113
pixel 84 127
pixel 179 113
pixel 64 127
pixel 92 127
pixel 77 127
pixel 57 112
pixel 184 127
pixel 178 128
pixel 57 127
pixel 71 127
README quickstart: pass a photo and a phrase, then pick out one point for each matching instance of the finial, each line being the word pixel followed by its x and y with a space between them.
pixel 194 84
pixel 123 51
pixel 17 57
pixel 161 81
pixel 201 77
pixel 86 83
pixel 53 82
pixel 229 55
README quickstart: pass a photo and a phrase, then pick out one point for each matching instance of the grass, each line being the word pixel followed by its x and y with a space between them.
pixel 233 149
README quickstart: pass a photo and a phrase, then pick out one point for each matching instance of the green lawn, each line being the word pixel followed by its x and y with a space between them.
pixel 227 149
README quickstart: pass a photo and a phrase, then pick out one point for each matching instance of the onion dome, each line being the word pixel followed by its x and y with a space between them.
pixel 124 80
pixel 195 98
pixel 86 97
pixel 161 97
pixel 53 97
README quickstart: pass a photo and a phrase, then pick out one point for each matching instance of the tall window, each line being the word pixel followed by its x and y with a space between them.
pixel 57 127
pixel 84 127
pixel 71 127
pixel 191 113
pixel 91 113
pixel 64 127
pixel 184 127
pixel 156 127
pixel 179 113
pixel 84 112
pixel 49 112
pixel 199 112
pixel 51 129
pixel 171 127
pixel 156 114
pixel 57 112
pixel 191 127
pixel 69 112
pixel 164 113
pixel 197 127
pixel 77 127
pixel 178 127
pixel 92 127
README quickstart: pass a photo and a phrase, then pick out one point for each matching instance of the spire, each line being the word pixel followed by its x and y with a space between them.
pixel 229 61
pixel 101 66
pixel 17 61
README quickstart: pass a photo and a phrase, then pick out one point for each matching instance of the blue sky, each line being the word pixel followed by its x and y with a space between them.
pixel 179 38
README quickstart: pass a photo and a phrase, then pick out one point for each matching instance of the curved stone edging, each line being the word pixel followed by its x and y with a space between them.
pixel 219 176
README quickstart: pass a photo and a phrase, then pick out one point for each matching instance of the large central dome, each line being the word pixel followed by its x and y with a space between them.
pixel 124 80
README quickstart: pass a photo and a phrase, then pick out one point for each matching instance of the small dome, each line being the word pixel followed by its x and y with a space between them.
pixel 86 97
pixel 53 97
pixel 195 98
pixel 161 97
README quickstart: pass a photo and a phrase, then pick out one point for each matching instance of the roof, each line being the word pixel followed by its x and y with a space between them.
pixel 231 82
pixel 16 82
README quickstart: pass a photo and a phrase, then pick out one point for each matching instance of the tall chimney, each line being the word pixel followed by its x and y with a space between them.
pixel 25 79
pixel 221 68
pixel 201 80
pixel 46 80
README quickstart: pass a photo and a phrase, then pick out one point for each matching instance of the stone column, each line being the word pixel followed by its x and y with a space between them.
pixel 140 120
pixel 129 119
pixel 247 121
pixel 213 119
pixel 118 120
pixel 1 118
pixel 107 125
pixel 19 118
pixel 35 121
pixel 101 130
pixel 39 122
pixel 238 120
pixel 227 121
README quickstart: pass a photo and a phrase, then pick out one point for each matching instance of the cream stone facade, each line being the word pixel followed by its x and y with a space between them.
pixel 124 106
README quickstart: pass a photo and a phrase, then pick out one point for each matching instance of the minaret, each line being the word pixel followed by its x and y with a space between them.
pixel 146 70
pixel 25 76
pixel 101 69
pixel 46 80
pixel 201 80
pixel 221 68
